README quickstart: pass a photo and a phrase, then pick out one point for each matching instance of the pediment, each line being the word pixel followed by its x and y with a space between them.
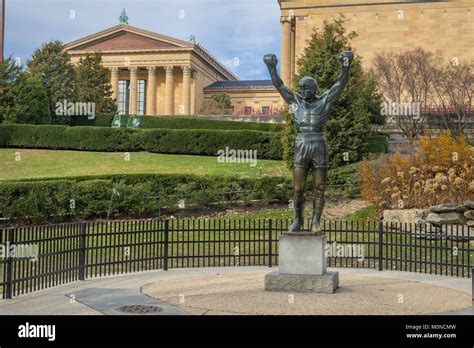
pixel 124 41
pixel 125 38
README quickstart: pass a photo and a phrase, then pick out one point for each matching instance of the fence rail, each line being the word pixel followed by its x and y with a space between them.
pixel 40 257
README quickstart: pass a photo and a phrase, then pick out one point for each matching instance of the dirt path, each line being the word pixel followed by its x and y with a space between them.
pixel 334 210
pixel 340 210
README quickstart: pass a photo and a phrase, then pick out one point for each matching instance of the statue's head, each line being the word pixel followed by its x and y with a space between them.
pixel 308 87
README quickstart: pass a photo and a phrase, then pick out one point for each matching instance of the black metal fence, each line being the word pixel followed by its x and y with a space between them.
pixel 40 257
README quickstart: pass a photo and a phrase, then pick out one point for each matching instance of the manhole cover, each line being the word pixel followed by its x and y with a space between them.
pixel 139 309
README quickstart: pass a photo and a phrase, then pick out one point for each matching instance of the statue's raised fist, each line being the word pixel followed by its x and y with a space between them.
pixel 346 57
pixel 270 59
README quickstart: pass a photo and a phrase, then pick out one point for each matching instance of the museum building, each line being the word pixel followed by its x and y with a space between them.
pixel 154 74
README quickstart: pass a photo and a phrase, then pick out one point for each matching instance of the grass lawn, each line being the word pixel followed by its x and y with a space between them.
pixel 59 163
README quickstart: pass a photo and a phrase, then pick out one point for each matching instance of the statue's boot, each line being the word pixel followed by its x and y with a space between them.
pixel 298 222
pixel 315 227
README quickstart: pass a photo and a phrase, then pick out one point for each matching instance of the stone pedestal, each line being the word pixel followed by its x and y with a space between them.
pixel 303 255
pixel 326 283
pixel 302 266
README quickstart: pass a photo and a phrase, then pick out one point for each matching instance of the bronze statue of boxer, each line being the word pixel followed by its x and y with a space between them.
pixel 310 112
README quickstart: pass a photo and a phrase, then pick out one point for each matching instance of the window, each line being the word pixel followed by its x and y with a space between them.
pixel 265 110
pixel 247 110
pixel 141 102
pixel 123 97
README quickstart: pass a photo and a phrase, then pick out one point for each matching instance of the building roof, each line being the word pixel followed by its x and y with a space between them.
pixel 244 84
pixel 166 42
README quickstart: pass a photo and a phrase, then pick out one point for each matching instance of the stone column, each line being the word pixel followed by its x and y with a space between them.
pixel 114 81
pixel 169 91
pixel 133 89
pixel 286 50
pixel 193 110
pixel 292 55
pixel 186 90
pixel 151 91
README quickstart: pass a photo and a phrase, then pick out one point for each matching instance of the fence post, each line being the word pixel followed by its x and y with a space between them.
pixel 270 240
pixel 380 245
pixel 82 253
pixel 472 291
pixel 9 265
pixel 165 262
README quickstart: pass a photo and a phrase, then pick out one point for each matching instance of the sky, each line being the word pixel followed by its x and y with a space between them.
pixel 242 29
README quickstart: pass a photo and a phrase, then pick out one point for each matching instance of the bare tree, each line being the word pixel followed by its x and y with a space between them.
pixel 406 78
pixel 453 96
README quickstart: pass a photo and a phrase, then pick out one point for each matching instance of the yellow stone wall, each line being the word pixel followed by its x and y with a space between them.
pixel 254 98
pixel 442 27
pixel 202 79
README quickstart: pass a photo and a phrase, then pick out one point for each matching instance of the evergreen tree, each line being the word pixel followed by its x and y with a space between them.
pixel 358 107
pixel 29 101
pixel 9 72
pixel 288 138
pixel 218 104
pixel 51 65
pixel 94 84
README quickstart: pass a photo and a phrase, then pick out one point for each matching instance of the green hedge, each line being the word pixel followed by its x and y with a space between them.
pixel 193 123
pixel 177 122
pixel 141 195
pixel 100 120
pixel 169 141
pixel 377 143
pixel 138 195
pixel 346 177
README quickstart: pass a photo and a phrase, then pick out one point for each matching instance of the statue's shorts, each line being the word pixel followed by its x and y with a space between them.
pixel 311 151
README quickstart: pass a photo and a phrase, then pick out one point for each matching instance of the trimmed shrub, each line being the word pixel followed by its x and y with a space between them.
pixel 68 138
pixel 346 177
pixel 139 195
pixel 168 141
pixel 40 200
pixel 170 122
pixel 376 143
pixel 100 120
pixel 30 201
pixel 177 122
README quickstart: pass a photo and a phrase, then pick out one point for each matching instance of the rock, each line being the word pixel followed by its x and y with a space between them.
pixel 425 230
pixel 402 216
pixel 447 208
pixel 424 225
pixel 469 204
pixel 469 214
pixel 470 223
pixel 445 218
pixel 458 232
